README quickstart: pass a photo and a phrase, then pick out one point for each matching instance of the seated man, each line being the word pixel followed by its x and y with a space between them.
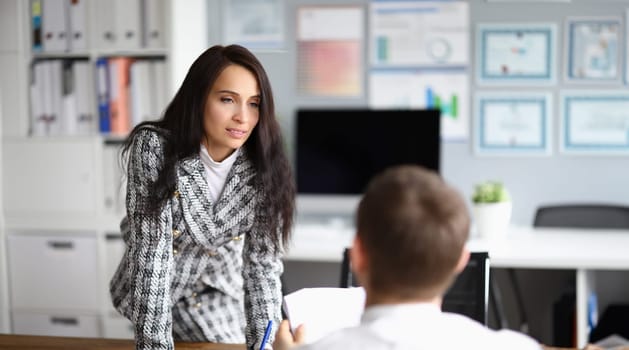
pixel 409 247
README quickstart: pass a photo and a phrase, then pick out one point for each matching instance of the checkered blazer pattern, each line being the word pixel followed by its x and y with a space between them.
pixel 199 271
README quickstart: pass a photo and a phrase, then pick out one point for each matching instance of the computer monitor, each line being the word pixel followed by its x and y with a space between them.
pixel 339 150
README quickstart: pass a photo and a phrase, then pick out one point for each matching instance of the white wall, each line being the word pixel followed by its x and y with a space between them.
pixel 189 37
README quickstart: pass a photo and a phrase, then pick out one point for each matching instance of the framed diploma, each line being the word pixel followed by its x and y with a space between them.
pixel 516 53
pixel 593 49
pixel 594 122
pixel 513 123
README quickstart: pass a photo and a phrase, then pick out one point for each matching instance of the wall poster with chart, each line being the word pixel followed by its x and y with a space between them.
pixel 513 123
pixel 412 33
pixel 593 49
pixel 419 55
pixel 446 90
pixel 516 53
pixel 594 122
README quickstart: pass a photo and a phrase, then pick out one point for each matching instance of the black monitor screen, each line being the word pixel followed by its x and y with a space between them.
pixel 338 151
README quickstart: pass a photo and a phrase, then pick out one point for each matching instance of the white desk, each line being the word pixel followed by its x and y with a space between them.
pixel 582 250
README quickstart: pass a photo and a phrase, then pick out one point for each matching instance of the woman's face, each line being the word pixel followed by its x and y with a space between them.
pixel 231 111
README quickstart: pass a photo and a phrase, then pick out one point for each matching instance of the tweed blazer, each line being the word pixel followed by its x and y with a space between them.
pixel 198 271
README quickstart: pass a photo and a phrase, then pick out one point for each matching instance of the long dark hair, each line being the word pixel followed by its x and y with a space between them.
pixel 183 125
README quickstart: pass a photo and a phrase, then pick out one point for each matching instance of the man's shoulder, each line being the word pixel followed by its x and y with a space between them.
pixel 515 340
pixel 347 339
pixel 473 332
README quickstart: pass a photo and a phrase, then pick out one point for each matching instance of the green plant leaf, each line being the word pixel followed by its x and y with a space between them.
pixel 490 192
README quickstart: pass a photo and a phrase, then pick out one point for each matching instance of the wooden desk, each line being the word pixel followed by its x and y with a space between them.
pixel 31 342
pixel 583 250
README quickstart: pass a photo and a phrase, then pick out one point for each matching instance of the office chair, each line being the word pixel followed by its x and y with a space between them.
pixel 347 277
pixel 593 216
pixel 468 295
pixel 603 216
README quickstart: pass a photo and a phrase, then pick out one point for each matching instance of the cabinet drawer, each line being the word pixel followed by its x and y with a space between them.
pixel 62 325
pixel 117 327
pixel 114 250
pixel 59 177
pixel 53 272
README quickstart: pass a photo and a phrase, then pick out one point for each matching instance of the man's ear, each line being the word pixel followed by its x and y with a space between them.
pixel 463 259
pixel 357 257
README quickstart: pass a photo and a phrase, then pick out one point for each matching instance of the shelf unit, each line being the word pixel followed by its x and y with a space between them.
pixel 63 195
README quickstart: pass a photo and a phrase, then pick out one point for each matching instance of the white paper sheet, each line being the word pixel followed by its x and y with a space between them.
pixel 324 310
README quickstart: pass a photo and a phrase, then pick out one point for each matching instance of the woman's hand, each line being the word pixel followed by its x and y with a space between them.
pixel 285 340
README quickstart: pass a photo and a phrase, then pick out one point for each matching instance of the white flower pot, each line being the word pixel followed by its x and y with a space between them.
pixel 492 219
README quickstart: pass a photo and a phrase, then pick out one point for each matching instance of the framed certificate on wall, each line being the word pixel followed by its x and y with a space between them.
pixel 593 49
pixel 516 53
pixel 513 123
pixel 594 122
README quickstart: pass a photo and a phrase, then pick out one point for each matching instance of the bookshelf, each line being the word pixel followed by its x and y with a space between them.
pixel 63 190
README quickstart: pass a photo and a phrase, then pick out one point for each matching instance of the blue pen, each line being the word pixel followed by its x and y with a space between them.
pixel 267 332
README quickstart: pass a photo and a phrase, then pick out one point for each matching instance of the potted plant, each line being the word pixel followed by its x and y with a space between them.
pixel 492 208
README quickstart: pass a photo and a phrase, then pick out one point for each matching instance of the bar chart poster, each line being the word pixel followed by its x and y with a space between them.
pixel 419 33
pixel 446 90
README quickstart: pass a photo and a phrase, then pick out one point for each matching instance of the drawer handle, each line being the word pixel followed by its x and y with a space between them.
pixel 113 237
pixel 61 245
pixel 66 321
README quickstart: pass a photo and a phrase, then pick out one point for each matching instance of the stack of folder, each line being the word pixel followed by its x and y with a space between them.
pixel 61 25
pixel 63 92
pixel 62 98
pixel 129 91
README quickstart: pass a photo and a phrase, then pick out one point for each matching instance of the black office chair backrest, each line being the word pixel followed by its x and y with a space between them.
pixel 468 295
pixel 601 216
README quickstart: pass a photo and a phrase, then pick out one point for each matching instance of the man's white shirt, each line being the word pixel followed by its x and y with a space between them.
pixel 420 326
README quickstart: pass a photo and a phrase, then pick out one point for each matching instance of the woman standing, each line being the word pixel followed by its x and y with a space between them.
pixel 210 202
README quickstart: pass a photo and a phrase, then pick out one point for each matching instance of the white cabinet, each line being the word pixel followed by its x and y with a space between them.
pixel 66 325
pixel 54 283
pixel 117 327
pixel 9 26
pixel 57 272
pixel 51 176
pixel 63 194
pixel 13 95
